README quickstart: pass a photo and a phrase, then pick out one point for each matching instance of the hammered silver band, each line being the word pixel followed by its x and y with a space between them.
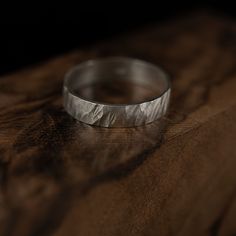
pixel 133 114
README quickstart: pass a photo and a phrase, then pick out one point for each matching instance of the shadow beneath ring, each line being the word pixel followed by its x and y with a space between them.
pixel 97 155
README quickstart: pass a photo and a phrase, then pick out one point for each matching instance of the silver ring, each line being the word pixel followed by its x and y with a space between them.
pixel 81 102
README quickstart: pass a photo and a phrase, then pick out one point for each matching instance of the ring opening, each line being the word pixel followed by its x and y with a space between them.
pixel 117 81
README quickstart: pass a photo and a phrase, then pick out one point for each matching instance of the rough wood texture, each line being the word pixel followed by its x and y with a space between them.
pixel 173 177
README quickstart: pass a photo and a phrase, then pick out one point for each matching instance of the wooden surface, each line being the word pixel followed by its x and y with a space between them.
pixel 173 177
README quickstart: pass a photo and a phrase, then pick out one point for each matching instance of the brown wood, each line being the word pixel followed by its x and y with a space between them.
pixel 173 177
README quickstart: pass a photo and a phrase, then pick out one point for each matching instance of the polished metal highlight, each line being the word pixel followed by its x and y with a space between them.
pixel 97 113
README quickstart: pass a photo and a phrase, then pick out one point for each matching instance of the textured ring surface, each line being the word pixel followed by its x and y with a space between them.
pixel 116 115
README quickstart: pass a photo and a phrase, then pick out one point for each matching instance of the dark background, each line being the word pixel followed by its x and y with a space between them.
pixel 31 34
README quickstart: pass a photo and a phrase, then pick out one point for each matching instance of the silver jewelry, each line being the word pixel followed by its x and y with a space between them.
pixel 83 106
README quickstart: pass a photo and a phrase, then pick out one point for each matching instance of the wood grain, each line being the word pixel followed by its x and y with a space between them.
pixel 175 176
